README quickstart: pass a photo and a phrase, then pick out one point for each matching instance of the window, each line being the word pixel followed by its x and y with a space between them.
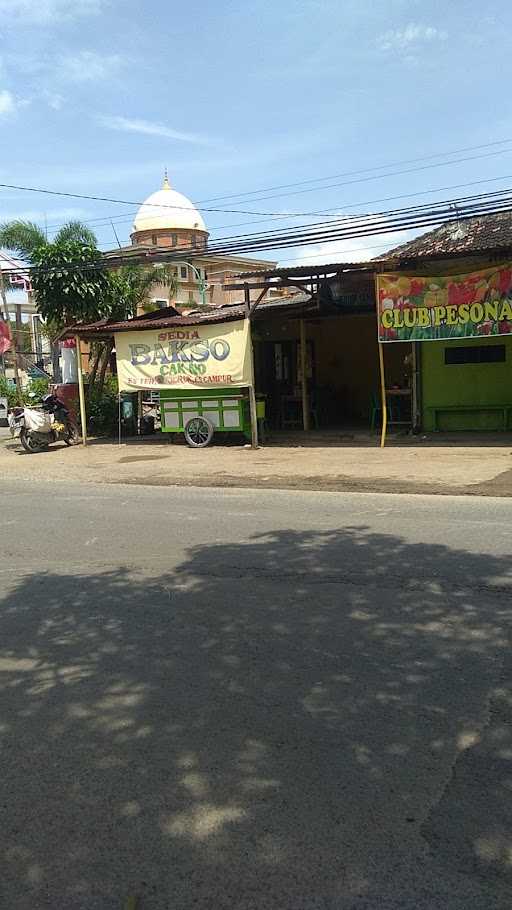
pixel 492 353
pixel 183 272
pixel 154 239
pixel 174 240
pixel 193 239
pixel 163 304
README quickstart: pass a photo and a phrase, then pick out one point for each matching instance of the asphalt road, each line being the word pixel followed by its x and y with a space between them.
pixel 253 699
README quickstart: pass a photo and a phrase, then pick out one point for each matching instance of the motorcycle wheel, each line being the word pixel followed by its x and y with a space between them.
pixel 72 437
pixel 30 444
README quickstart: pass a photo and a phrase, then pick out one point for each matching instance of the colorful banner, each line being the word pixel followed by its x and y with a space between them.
pixel 5 337
pixel 414 308
pixel 202 355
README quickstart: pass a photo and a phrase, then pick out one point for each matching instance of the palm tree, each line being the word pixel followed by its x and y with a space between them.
pixel 130 286
pixel 126 290
pixel 25 237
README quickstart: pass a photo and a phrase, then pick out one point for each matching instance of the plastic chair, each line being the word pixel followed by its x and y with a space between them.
pixel 376 410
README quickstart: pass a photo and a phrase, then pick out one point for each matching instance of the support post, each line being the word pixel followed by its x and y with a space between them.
pixel 139 412
pixel 252 394
pixel 416 387
pixel 247 300
pixel 254 418
pixel 304 378
pixel 81 394
pixel 18 340
pixel 384 406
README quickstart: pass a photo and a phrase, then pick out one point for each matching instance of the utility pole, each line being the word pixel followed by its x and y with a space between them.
pixel 4 314
pixel 17 341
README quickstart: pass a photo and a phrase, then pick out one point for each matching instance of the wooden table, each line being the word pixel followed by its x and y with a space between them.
pixel 401 396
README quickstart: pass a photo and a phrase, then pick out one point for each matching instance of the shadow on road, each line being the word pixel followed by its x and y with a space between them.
pixel 305 721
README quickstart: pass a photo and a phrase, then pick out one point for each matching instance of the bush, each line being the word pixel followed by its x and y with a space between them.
pixel 8 391
pixel 102 409
pixel 39 387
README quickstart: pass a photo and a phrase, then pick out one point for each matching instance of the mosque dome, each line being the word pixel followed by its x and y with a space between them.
pixel 168 210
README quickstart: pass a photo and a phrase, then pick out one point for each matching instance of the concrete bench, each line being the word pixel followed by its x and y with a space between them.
pixel 502 409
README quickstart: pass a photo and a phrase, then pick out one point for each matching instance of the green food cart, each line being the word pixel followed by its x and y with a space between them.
pixel 199 413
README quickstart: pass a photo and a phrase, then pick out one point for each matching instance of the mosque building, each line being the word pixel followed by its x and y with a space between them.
pixel 168 221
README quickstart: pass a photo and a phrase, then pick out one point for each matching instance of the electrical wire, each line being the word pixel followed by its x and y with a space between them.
pixel 412 170
pixel 89 197
pixel 387 199
pixel 120 219
pixel 371 224
pixel 283 186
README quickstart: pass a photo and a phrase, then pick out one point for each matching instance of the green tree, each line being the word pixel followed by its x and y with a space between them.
pixel 128 289
pixel 131 285
pixel 67 274
pixel 71 284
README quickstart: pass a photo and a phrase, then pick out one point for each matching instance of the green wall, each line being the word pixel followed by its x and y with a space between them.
pixel 465 384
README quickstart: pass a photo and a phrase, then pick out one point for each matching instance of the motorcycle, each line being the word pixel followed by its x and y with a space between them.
pixel 38 428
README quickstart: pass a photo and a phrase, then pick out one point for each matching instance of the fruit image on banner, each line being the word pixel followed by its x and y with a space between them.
pixel 416 308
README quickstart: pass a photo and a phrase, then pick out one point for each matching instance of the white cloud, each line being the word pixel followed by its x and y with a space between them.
pixel 412 35
pixel 87 66
pixel 354 250
pixel 53 100
pixel 43 12
pixel 7 103
pixel 148 128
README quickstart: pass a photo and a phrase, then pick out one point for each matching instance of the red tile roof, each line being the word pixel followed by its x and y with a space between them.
pixel 470 235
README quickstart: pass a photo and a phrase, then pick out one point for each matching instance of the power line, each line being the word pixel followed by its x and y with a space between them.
pixel 283 186
pixel 371 224
pixel 89 197
pixel 412 170
pixel 105 221
pixel 120 218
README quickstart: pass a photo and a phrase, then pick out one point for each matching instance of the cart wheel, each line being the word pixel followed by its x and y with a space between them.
pixel 198 432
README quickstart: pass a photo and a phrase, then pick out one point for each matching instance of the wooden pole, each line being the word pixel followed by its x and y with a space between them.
pixel 254 418
pixel 383 402
pixel 18 340
pixel 252 394
pixel 304 378
pixel 81 394
pixel 383 396
pixel 247 299
pixel 4 314
pixel 139 410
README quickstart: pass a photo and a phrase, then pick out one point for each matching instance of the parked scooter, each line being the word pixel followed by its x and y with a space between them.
pixel 37 428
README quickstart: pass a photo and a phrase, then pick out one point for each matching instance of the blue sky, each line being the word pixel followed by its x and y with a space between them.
pixel 97 96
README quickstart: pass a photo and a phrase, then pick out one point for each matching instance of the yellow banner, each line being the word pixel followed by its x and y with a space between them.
pixel 203 355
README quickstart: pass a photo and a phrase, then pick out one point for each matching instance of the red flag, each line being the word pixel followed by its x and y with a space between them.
pixel 5 337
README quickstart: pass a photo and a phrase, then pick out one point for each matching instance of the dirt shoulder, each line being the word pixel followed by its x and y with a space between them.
pixel 484 470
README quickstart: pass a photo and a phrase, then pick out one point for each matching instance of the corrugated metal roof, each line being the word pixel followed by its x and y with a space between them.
pixel 158 320
pixel 162 319
pixel 289 271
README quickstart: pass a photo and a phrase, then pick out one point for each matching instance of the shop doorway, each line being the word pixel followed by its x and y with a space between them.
pixel 343 377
